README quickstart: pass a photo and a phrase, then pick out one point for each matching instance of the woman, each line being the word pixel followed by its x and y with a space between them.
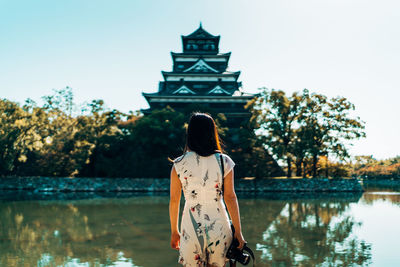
pixel 205 234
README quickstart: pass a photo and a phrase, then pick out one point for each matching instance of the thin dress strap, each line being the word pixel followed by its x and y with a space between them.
pixel 222 171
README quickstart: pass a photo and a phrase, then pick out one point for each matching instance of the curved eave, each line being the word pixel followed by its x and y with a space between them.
pixel 231 73
pixel 174 54
pixel 245 95
pixel 147 96
pixel 209 36
pixel 192 97
pixel 253 95
pixel 172 73
pixel 200 30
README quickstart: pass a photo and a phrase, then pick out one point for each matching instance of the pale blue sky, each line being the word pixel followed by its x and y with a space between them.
pixel 114 50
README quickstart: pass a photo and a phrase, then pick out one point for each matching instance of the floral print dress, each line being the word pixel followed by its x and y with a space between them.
pixel 205 227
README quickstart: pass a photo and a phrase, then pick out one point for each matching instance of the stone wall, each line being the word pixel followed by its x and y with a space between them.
pixel 62 184
pixel 381 184
pixel 299 185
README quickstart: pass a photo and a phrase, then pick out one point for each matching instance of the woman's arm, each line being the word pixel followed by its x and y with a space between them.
pixel 175 198
pixel 233 206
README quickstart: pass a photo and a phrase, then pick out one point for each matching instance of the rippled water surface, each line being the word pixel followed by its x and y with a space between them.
pixel 134 230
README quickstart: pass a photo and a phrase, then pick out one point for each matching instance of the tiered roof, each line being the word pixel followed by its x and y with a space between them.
pixel 200 42
pixel 200 74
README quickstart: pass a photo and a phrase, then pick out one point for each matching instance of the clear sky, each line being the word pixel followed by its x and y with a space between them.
pixel 115 50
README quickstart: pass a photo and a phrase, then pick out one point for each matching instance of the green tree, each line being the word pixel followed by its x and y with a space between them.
pixel 326 126
pixel 98 135
pixel 148 142
pixel 303 127
pixel 277 114
pixel 21 131
pixel 249 150
pixel 67 141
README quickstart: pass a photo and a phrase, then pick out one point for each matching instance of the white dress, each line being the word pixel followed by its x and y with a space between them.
pixel 205 227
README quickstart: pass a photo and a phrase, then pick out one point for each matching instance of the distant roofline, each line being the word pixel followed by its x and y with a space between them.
pixel 200 96
pixel 196 99
pixel 200 29
pixel 176 54
pixel 217 37
pixel 226 73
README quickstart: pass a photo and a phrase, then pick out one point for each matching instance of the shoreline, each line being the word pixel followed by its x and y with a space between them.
pixel 80 184
pixel 13 195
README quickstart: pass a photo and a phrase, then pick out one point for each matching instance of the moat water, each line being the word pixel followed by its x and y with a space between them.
pixel 133 229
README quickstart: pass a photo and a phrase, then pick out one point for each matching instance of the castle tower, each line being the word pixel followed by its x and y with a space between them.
pixel 199 76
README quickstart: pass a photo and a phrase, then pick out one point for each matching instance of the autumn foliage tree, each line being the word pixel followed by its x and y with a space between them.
pixel 277 116
pixel 327 127
pixel 305 126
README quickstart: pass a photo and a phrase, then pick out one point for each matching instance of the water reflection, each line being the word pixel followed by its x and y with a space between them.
pixel 284 230
pixel 92 231
pixel 389 196
pixel 309 234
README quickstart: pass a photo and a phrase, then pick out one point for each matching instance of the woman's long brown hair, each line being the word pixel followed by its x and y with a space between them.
pixel 202 136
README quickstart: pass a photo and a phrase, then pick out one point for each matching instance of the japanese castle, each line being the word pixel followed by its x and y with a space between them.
pixel 200 77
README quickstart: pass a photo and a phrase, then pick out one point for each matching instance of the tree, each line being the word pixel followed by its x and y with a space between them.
pixel 369 167
pixel 50 140
pixel 249 149
pixel 21 131
pixel 326 125
pixel 148 142
pixel 303 127
pixel 98 135
pixel 277 115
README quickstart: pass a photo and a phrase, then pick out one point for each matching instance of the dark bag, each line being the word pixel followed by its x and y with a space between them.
pixel 234 254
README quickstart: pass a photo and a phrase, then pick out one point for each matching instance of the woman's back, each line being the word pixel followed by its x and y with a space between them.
pixel 205 226
pixel 205 231
pixel 201 177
